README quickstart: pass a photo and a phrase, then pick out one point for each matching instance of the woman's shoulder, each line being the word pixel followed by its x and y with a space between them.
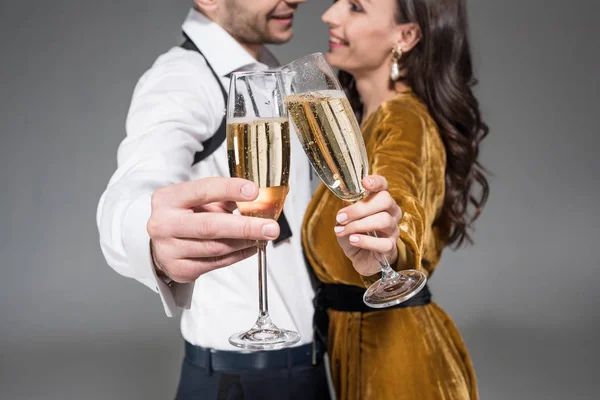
pixel 404 107
pixel 405 113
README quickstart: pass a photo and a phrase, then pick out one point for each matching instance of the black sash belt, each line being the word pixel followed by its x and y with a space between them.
pixel 350 299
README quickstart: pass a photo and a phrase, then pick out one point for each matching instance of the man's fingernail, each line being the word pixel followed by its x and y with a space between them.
pixel 354 239
pixel 248 190
pixel 371 181
pixel 338 229
pixel 270 230
pixel 341 217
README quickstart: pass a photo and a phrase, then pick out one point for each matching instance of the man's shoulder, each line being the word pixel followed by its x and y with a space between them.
pixel 179 70
pixel 178 81
pixel 179 61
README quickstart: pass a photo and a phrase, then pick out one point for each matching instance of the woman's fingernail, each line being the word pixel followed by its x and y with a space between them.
pixel 341 217
pixel 371 181
pixel 248 190
pixel 353 239
pixel 338 229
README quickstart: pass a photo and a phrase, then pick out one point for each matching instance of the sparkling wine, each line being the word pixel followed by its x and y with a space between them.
pixel 331 138
pixel 259 150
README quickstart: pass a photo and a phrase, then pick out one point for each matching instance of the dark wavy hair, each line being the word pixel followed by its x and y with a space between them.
pixel 440 72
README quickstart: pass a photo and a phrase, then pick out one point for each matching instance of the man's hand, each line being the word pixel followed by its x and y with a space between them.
pixel 193 231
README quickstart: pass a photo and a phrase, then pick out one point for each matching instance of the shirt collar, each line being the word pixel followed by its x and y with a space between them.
pixel 223 52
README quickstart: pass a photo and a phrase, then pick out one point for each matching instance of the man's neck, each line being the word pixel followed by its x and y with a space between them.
pixel 253 49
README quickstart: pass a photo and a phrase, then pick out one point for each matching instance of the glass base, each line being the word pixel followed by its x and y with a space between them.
pixel 395 290
pixel 264 335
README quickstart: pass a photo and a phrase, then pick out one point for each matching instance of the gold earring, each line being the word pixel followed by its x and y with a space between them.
pixel 396 56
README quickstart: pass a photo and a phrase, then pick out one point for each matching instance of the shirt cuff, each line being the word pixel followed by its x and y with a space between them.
pixel 137 246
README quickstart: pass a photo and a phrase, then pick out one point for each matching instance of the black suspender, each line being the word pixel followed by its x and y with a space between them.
pixel 216 140
pixel 212 143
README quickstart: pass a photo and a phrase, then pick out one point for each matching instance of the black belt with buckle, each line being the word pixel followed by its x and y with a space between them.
pixel 235 361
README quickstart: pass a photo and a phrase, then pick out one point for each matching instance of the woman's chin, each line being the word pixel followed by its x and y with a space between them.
pixel 334 60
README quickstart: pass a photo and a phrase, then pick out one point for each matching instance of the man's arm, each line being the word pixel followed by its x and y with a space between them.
pixel 175 107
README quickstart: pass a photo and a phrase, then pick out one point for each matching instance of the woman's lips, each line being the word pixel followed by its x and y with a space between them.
pixel 335 42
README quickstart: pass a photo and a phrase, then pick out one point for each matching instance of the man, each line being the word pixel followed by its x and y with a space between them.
pixel 166 217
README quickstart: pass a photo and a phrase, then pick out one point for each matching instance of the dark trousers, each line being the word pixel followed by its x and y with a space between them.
pixel 302 382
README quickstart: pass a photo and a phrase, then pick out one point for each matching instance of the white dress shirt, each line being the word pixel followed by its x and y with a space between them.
pixel 177 104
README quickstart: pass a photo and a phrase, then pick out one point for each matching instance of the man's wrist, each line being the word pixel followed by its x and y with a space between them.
pixel 160 272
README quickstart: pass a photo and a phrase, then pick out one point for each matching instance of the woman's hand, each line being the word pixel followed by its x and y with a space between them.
pixel 377 213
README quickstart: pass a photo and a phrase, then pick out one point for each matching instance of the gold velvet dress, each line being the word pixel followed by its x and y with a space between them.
pixel 413 353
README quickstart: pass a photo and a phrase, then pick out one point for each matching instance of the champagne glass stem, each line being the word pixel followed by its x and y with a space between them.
pixel 263 300
pixel 386 271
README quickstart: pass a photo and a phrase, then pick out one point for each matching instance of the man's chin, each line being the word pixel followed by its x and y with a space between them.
pixel 281 36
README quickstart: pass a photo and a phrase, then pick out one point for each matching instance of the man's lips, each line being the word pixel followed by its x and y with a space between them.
pixel 287 17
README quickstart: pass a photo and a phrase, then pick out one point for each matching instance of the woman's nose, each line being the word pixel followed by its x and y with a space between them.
pixel 331 17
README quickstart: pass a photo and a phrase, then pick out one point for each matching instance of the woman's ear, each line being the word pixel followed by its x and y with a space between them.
pixel 408 36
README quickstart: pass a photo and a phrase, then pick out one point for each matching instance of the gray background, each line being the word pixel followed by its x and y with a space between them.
pixel 525 296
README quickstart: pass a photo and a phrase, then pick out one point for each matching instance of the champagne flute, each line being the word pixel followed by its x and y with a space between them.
pixel 333 142
pixel 258 149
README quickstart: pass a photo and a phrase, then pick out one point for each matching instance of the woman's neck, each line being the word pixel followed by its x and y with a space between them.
pixel 374 89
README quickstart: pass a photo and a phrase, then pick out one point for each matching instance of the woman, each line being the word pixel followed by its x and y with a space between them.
pixel 407 71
